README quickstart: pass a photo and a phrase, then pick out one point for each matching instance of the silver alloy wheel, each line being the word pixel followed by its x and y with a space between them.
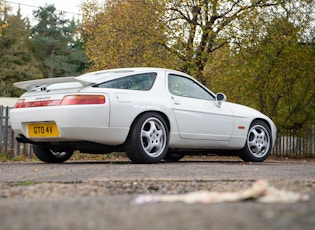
pixel 59 154
pixel 153 137
pixel 258 141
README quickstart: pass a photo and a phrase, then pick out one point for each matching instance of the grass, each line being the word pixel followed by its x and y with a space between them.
pixel 6 157
pixel 98 157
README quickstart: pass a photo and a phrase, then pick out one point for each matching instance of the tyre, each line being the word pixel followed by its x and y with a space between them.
pixel 173 156
pixel 147 141
pixel 258 143
pixel 49 156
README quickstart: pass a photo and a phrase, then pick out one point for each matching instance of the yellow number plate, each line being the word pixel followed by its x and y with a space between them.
pixel 43 130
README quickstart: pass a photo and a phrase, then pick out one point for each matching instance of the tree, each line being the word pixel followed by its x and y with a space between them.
pixel 276 76
pixel 4 9
pixel 2 22
pixel 197 28
pixel 17 63
pixel 54 43
pixel 125 33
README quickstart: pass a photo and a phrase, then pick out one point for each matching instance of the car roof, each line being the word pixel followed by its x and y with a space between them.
pixel 91 77
pixel 101 75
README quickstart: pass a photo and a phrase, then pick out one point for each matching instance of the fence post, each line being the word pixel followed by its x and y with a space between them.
pixel 6 129
pixel 12 140
pixel 1 127
pixel 313 140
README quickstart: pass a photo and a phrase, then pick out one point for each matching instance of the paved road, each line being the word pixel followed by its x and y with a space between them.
pixel 76 171
pixel 112 186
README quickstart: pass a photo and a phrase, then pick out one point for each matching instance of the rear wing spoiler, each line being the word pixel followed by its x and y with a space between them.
pixel 33 84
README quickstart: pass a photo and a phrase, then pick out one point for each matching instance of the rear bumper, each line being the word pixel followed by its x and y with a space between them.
pixel 75 123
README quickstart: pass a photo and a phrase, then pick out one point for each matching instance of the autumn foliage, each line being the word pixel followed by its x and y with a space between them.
pixel 259 52
pixel 124 33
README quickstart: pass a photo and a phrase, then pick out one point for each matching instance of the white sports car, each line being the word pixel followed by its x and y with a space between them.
pixel 149 113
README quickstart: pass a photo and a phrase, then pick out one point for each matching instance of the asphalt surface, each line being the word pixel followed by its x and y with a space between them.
pixel 101 194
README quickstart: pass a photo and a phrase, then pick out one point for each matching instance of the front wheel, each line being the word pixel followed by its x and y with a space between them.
pixel 258 143
pixel 148 139
pixel 49 156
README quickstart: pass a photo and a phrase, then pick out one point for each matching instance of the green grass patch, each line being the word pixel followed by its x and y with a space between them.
pixel 7 157
pixel 98 157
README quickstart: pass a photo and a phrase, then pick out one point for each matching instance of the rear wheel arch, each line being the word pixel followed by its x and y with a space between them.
pixel 165 117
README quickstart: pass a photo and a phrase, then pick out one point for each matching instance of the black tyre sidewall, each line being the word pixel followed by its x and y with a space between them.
pixel 173 156
pixel 45 155
pixel 133 146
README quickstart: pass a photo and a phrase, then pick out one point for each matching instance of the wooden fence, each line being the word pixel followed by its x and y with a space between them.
pixel 286 146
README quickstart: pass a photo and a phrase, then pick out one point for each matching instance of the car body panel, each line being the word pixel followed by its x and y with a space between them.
pixel 202 119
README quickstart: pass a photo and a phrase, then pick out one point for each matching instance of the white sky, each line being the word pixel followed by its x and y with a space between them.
pixel 70 7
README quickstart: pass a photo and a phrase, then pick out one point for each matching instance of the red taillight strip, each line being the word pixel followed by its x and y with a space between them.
pixel 19 104
pixel 67 100
pixel 83 99
pixel 22 104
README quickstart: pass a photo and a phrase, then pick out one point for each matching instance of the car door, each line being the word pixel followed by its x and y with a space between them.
pixel 196 112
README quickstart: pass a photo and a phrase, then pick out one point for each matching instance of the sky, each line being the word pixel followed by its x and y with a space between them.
pixel 70 7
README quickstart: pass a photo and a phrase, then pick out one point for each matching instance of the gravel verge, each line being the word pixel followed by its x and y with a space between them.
pixel 129 187
pixel 85 195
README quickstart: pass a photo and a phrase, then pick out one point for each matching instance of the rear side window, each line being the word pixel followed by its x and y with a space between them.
pixel 143 82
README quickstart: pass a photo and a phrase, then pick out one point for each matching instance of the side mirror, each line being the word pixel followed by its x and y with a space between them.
pixel 219 98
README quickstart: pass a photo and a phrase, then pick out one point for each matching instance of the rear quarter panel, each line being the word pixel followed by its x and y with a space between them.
pixel 127 105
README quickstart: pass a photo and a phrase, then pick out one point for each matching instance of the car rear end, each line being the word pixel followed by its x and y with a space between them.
pixel 61 114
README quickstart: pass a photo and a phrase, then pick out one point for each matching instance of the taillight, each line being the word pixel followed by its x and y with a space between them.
pixel 67 100
pixel 83 99
pixel 19 104
pixel 24 104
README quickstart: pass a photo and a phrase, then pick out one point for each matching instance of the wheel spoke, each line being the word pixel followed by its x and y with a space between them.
pixel 149 147
pixel 263 135
pixel 149 133
pixel 253 138
pixel 145 134
pixel 152 126
pixel 255 133
pixel 253 146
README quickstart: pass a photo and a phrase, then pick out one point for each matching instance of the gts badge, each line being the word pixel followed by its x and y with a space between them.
pixel 42 98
